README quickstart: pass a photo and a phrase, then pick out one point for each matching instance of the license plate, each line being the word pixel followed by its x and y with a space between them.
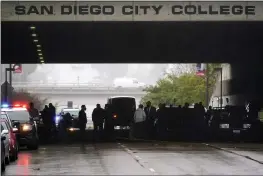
pixel 236 131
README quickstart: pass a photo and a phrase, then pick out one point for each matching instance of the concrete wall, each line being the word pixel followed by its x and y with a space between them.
pixel 242 82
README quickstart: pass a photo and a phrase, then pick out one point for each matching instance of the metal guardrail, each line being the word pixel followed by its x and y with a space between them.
pixel 69 86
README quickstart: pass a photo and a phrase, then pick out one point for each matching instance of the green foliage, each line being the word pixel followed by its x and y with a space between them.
pixel 186 88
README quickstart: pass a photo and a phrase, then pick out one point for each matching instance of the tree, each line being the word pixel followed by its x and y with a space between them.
pixel 24 96
pixel 181 88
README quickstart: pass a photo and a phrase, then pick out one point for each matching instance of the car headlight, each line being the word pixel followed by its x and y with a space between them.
pixel 72 129
pixel 246 125
pixel 27 127
pixel 224 125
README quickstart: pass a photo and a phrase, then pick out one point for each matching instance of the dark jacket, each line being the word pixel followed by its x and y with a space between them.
pixel 150 114
pixel 98 115
pixel 82 117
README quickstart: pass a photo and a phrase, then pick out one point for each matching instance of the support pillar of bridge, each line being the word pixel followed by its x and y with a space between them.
pixel 242 82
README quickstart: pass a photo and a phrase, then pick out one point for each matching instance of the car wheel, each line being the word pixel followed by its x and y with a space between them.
pixel 3 166
pixel 17 150
pixel 7 160
pixel 13 157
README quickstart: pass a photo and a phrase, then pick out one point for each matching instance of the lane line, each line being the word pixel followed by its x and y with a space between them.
pixel 138 159
pixel 152 170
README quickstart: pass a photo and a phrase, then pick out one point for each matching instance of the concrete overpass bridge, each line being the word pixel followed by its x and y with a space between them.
pixel 84 93
pixel 214 34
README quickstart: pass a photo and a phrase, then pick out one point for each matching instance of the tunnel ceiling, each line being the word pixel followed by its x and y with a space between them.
pixel 148 42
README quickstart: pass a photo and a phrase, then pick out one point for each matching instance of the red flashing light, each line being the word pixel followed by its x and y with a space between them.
pixel 20 106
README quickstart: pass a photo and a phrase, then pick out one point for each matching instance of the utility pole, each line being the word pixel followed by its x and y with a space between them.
pixel 207 85
pixel 6 86
pixel 221 88
pixel 10 79
pixel 10 69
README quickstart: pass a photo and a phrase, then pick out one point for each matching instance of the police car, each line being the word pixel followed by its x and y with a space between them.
pixel 24 127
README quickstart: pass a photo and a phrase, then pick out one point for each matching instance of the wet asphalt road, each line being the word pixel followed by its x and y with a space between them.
pixel 140 158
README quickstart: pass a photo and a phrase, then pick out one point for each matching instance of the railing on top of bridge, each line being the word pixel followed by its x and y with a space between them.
pixel 70 85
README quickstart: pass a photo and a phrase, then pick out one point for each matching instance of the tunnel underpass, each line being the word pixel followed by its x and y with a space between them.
pixel 144 42
pixel 236 42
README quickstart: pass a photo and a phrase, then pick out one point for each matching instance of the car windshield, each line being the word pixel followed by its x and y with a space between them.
pixel 18 115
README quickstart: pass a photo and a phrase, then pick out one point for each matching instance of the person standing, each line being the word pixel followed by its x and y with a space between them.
pixel 52 119
pixel 137 125
pixel 33 112
pixel 46 121
pixel 98 116
pixel 150 112
pixel 109 125
pixel 82 121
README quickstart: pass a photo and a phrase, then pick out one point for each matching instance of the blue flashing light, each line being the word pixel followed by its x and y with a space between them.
pixel 57 119
pixel 5 105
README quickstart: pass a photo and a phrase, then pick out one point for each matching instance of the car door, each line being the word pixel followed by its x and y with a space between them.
pixel 6 117
pixel 6 141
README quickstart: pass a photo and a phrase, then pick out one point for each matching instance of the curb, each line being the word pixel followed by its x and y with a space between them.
pixel 229 151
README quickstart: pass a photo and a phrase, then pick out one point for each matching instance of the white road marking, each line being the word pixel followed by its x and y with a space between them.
pixel 137 158
pixel 152 170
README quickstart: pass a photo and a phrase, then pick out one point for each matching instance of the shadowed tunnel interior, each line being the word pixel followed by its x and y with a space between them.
pixel 148 42
pixel 238 43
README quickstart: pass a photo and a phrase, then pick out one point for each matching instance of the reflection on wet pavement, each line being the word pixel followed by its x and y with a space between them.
pixel 144 158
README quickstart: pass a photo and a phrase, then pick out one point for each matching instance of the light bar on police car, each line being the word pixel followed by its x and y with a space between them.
pixel 5 106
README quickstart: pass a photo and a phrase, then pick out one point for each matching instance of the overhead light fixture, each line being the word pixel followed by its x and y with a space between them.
pixel 41 58
pixel 42 61
pixel 39 46
pixel 34 35
pixel 40 54
pixel 39 50
pixel 35 41
pixel 32 27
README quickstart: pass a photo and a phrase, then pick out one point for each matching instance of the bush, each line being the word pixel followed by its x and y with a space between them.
pixel 26 97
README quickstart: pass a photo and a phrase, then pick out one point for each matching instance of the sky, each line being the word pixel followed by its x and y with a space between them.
pixel 73 73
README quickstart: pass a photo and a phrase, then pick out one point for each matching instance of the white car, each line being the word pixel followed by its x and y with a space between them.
pixel 128 83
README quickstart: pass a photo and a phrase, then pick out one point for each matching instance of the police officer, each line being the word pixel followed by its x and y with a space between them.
pixel 98 116
pixel 33 112
pixel 150 112
pixel 109 126
pixel 82 121
pixel 52 116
